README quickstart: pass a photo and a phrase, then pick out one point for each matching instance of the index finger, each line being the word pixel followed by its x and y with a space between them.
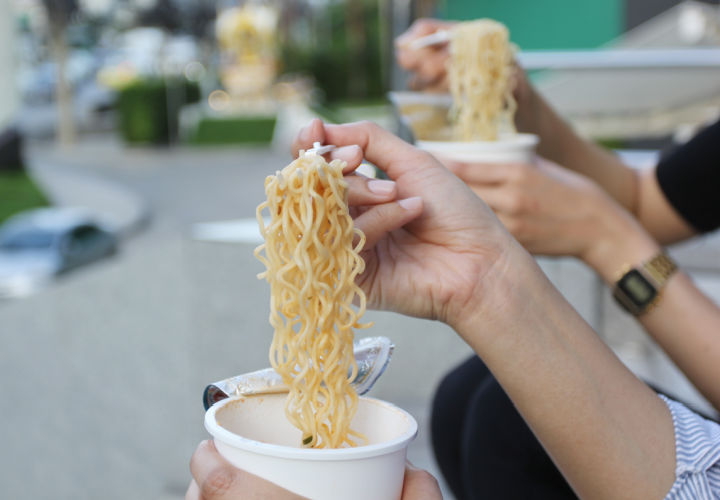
pixel 382 148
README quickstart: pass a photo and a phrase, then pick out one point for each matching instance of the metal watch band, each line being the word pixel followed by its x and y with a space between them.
pixel 660 268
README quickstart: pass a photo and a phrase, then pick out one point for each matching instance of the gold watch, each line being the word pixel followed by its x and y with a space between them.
pixel 638 289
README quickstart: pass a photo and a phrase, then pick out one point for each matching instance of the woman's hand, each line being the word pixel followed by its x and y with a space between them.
pixel 435 251
pixel 428 65
pixel 215 479
pixel 554 211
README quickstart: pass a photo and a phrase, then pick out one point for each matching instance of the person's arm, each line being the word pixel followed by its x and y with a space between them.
pixel 561 144
pixel 449 258
pixel 684 321
pixel 637 191
pixel 552 211
pixel 607 432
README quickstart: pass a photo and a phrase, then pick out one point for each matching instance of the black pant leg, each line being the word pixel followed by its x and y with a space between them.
pixel 450 404
pixel 483 446
pixel 502 458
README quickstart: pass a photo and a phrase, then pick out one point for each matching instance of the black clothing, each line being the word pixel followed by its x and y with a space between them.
pixel 690 179
pixel 483 446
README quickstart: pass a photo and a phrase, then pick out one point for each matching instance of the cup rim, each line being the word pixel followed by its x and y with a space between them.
pixel 280 451
pixel 504 142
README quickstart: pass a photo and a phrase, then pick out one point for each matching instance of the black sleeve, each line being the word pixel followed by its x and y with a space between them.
pixel 690 179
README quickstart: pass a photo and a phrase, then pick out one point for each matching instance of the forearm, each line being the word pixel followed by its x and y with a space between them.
pixel 588 410
pixel 656 214
pixel 561 144
pixel 684 322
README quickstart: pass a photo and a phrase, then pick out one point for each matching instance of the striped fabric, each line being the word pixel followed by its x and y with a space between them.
pixel 697 448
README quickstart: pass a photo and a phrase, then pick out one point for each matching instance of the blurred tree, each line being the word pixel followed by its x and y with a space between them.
pixel 357 44
pixel 59 15
pixel 201 18
pixel 339 44
pixel 163 14
pixel 200 22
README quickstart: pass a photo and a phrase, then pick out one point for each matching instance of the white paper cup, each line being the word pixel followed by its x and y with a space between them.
pixel 253 434
pixel 510 148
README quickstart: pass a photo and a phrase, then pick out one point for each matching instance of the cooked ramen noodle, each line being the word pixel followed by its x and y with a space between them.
pixel 311 265
pixel 480 70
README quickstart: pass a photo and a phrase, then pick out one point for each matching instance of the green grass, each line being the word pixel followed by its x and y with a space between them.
pixel 234 130
pixel 18 192
pixel 351 111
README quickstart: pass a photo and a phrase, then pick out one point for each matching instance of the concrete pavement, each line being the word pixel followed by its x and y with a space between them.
pixel 117 205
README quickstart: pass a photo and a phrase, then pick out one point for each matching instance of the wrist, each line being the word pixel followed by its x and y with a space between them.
pixel 619 242
pixel 528 117
pixel 500 298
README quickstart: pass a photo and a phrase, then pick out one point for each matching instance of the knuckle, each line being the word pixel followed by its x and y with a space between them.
pixel 516 203
pixel 423 24
pixel 219 482
pixel 384 211
pixel 519 172
pixel 514 225
pixel 370 126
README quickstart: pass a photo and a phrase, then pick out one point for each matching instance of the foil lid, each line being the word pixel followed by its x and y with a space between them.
pixel 372 355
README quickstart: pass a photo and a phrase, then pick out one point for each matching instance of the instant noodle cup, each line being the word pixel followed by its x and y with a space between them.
pixel 508 148
pixel 426 116
pixel 253 434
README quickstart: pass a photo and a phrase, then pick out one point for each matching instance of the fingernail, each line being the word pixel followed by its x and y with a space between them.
pixel 411 204
pixel 346 153
pixel 381 186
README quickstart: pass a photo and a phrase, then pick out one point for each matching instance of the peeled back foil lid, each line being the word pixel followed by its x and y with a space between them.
pixel 372 355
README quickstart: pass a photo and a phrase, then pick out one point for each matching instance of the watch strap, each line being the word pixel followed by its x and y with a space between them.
pixel 660 268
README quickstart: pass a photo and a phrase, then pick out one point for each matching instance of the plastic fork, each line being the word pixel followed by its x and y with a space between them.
pixel 437 38
pixel 319 149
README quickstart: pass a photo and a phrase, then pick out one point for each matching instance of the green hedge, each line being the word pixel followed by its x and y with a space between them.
pixel 18 192
pixel 234 130
pixel 148 110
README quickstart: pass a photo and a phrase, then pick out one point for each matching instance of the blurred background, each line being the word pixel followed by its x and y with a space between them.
pixel 135 136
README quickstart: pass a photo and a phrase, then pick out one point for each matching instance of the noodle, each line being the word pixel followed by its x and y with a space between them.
pixel 311 266
pixel 480 70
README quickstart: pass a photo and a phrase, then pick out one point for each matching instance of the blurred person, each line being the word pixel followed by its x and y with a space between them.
pixel 437 251
pixel 609 215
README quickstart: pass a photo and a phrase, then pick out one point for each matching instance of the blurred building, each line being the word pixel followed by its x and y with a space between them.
pixel 8 90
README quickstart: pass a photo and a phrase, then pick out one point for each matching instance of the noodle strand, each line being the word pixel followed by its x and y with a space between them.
pixel 311 266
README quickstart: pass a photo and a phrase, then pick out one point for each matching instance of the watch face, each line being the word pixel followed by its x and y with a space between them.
pixel 637 288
